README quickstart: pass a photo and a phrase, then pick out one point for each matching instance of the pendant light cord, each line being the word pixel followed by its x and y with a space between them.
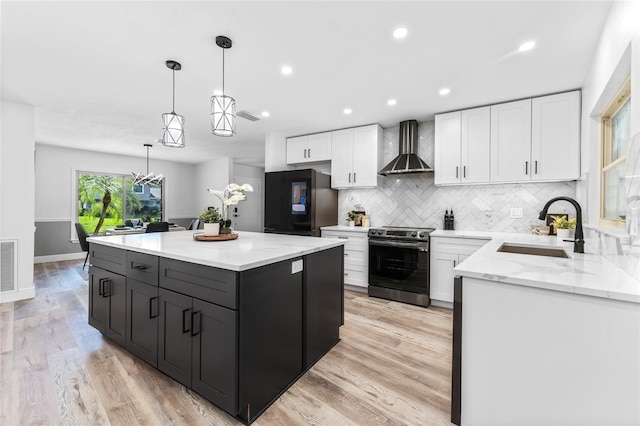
pixel 147 161
pixel 173 108
pixel 223 71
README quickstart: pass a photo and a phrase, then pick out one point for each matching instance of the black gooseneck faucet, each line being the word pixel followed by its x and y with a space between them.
pixel 578 242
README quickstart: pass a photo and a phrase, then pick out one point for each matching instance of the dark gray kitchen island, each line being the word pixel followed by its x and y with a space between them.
pixel 236 321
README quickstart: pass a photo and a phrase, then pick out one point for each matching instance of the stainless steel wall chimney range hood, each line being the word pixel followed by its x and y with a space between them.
pixel 407 161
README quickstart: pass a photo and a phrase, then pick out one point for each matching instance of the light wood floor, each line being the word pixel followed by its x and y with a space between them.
pixel 392 367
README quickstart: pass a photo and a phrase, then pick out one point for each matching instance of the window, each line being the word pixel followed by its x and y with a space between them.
pixel 128 201
pixel 616 132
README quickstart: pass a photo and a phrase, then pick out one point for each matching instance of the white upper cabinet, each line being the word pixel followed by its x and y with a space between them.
pixel 309 148
pixel 511 141
pixel 462 146
pixel 555 137
pixel 356 157
pixel 447 148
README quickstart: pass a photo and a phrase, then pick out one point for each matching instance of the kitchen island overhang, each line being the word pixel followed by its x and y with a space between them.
pixel 236 321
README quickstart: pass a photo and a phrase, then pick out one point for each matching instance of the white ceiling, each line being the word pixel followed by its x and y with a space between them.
pixel 95 71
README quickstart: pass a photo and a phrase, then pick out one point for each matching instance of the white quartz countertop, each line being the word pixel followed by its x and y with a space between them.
pixel 587 274
pixel 250 250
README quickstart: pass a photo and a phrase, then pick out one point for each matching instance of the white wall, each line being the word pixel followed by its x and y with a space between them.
pixel 55 176
pixel 617 55
pixel 214 174
pixel 17 143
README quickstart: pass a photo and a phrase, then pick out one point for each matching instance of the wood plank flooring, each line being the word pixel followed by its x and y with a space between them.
pixel 392 367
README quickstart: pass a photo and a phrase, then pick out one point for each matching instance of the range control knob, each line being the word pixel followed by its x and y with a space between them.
pixel 422 235
pixel 380 231
pixel 413 234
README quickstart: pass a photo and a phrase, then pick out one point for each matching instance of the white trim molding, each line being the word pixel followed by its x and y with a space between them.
pixel 59 257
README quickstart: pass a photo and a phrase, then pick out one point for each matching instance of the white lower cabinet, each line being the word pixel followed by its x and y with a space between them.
pixel 356 256
pixel 446 254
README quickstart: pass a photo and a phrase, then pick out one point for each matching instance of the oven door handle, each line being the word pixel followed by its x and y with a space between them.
pixel 399 244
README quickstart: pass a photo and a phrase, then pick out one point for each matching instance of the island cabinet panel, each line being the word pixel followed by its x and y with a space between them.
pixel 142 267
pixel 174 336
pixel 142 320
pixel 323 301
pixel 107 303
pixel 108 258
pixel 203 282
pixel 271 334
pixel 214 373
pixel 197 346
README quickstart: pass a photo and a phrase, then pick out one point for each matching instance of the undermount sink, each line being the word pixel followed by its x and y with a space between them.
pixel 533 250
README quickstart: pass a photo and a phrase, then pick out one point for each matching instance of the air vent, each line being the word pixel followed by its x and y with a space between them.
pixel 251 116
pixel 8 264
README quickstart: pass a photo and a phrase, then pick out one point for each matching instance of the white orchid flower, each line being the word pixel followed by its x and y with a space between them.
pixel 247 188
pixel 233 187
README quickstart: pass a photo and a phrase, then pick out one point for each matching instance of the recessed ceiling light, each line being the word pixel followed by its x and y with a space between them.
pixel 391 102
pixel 286 70
pixel 400 32
pixel 444 91
pixel 527 46
pixel 347 111
pixel 265 113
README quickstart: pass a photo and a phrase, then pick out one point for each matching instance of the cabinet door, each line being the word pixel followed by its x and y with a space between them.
pixel 555 137
pixel 442 265
pixel 97 303
pixel 319 147
pixel 142 320
pixel 297 150
pixel 511 141
pixel 365 156
pixel 447 148
pixel 342 158
pixel 174 336
pixel 475 145
pixel 215 354
pixel 116 299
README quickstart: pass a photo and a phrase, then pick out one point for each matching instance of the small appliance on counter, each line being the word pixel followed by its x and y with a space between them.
pixel 299 202
pixel 399 264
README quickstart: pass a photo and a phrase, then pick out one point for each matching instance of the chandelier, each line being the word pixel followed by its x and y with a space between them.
pixel 149 178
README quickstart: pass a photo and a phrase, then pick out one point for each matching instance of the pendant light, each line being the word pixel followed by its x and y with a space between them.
pixel 173 135
pixel 223 108
pixel 149 178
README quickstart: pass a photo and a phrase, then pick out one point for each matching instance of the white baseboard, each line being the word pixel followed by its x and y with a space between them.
pixel 22 294
pixel 442 304
pixel 59 257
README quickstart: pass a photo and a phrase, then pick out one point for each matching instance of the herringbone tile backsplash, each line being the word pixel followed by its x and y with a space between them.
pixel 413 200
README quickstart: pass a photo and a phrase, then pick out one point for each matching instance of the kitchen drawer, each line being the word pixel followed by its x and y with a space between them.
pixel 465 246
pixel 354 275
pixel 142 267
pixel 108 258
pixel 203 282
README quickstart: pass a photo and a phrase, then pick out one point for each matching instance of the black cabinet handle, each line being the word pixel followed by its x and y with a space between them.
pixel 153 307
pixel 349 177
pixel 457 172
pixel 526 167
pixel 184 321
pixel 139 266
pixel 195 323
pixel 354 177
pixel 464 171
pixel 536 166
pixel 101 286
pixel 309 152
pixel 105 287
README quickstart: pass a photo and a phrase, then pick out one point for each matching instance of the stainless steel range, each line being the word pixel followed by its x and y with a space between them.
pixel 399 264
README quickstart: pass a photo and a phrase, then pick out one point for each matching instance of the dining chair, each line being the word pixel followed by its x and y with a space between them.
pixel 195 223
pixel 82 239
pixel 128 223
pixel 157 227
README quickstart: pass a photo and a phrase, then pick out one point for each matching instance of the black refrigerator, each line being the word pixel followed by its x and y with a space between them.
pixel 299 202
